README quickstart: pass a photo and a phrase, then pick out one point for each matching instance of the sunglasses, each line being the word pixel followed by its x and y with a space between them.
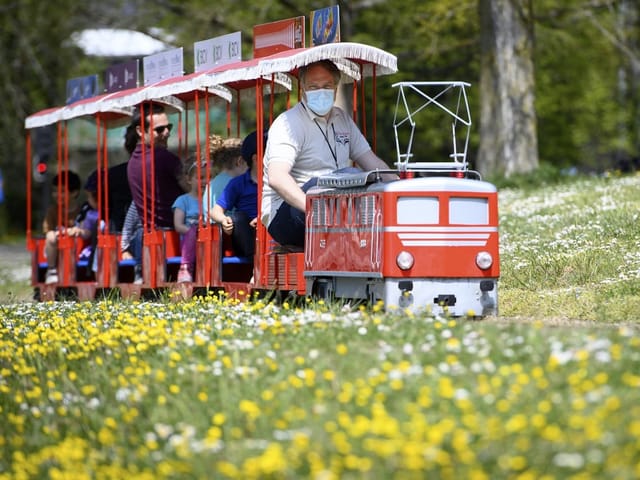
pixel 160 130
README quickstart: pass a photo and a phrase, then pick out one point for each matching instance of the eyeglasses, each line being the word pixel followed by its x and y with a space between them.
pixel 160 130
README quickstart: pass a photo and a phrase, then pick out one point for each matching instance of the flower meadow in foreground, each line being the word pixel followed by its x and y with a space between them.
pixel 213 388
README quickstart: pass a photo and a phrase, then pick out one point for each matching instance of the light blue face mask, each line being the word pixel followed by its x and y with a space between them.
pixel 320 101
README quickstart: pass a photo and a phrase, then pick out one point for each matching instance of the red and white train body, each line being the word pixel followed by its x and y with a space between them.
pixel 428 243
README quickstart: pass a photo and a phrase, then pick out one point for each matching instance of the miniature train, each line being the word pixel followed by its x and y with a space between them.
pixel 427 241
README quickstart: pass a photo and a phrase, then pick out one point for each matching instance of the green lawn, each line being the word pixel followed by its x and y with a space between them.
pixel 572 251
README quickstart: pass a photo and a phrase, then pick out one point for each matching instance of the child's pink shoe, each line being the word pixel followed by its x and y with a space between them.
pixel 184 275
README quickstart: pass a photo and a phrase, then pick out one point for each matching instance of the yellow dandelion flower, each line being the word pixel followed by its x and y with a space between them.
pixel 396 384
pixel 34 393
pixel 616 351
pixel 250 408
pixel 214 433
pixel 228 469
pixel 106 437
pixel 538 420
pixel 544 406
pixel 56 396
pixel 612 403
pixel 503 405
pixel 273 460
pixel 151 443
pixel 329 375
pixel 445 387
pixel 110 422
pixel 516 423
pixel 88 389
pixel 341 442
pixel 634 428
pixel 553 433
pixel 477 474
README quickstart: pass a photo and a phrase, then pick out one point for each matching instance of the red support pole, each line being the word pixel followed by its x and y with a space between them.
pixel 374 115
pixel 363 105
pixel 261 233
pixel 29 172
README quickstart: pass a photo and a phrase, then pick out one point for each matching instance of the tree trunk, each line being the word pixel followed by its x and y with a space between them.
pixel 628 23
pixel 508 132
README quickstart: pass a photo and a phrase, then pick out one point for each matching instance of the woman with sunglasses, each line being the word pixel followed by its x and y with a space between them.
pixel 152 129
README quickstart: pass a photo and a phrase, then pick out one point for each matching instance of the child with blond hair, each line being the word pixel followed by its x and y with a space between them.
pixel 227 163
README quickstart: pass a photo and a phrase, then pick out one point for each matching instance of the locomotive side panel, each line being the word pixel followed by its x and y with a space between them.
pixel 344 233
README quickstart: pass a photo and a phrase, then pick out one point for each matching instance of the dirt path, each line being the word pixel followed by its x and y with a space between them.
pixel 15 272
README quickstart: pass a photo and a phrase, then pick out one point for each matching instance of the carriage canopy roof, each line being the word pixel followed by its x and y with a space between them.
pixel 353 59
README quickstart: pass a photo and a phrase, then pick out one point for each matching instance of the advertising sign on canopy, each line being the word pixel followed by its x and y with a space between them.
pixel 325 25
pixel 274 37
pixel 217 51
pixel 80 88
pixel 163 65
pixel 121 76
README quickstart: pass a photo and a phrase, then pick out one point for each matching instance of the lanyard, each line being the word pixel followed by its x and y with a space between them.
pixel 334 150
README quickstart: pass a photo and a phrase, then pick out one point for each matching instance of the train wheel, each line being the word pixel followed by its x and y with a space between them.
pixel 322 289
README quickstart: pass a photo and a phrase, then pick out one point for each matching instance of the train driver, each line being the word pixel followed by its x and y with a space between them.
pixel 311 139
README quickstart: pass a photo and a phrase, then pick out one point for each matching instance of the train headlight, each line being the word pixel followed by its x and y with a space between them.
pixel 404 260
pixel 484 260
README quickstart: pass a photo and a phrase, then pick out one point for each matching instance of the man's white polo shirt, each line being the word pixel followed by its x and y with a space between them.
pixel 311 146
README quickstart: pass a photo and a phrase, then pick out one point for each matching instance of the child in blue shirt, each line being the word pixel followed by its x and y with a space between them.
pixel 236 209
pixel 186 216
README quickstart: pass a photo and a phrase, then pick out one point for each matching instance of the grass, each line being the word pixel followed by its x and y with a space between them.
pixel 572 250
pixel 212 388
pixel 14 256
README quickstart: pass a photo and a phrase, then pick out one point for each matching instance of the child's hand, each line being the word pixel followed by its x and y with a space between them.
pixel 227 225
pixel 126 255
pixel 254 223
